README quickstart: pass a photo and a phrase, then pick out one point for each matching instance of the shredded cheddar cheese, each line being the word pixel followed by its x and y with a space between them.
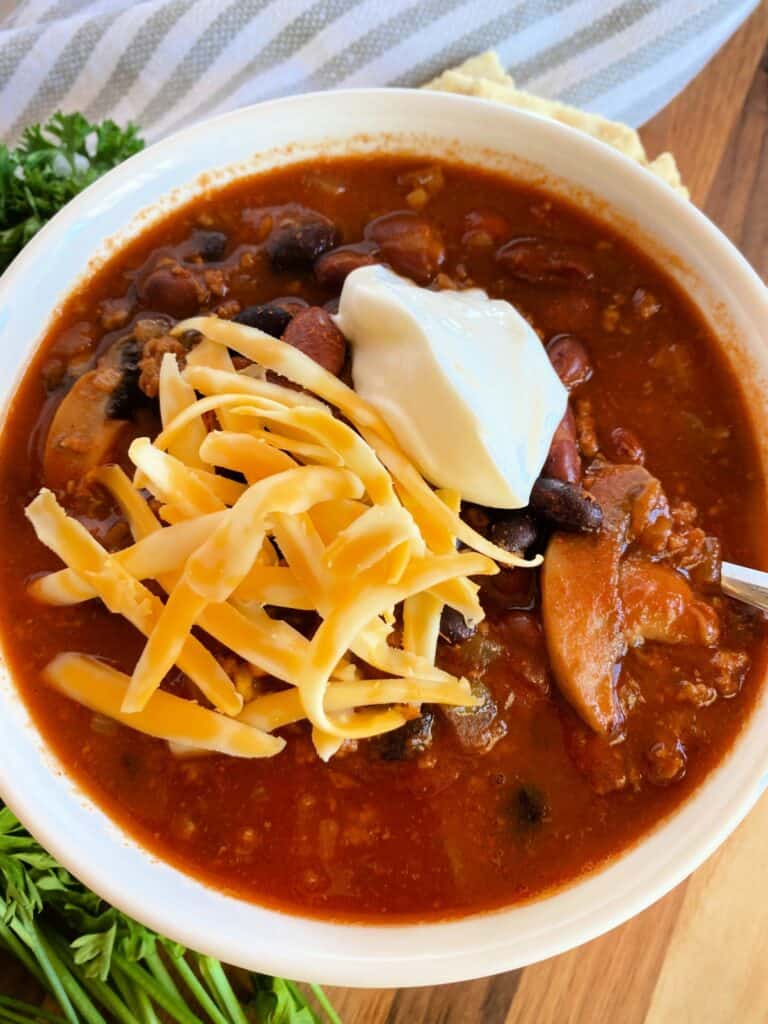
pixel 280 505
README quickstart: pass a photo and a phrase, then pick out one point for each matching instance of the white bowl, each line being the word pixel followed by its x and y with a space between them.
pixel 730 295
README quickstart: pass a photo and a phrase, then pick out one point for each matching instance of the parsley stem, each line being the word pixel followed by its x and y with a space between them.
pixel 26 1011
pixel 146 1010
pixel 198 991
pixel 61 954
pixel 218 981
pixel 20 951
pixel 127 991
pixel 325 1003
pixel 30 934
pixel 175 1007
pixel 160 973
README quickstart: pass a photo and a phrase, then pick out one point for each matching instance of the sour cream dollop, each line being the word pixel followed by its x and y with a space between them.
pixel 462 381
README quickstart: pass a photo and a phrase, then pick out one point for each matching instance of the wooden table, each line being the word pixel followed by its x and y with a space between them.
pixel 701 954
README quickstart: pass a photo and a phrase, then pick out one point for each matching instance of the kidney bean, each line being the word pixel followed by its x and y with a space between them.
pixel 410 243
pixel 292 304
pixel 566 505
pixel 453 627
pixel 563 461
pixel 516 532
pixel 332 268
pixel 625 447
pixel 570 359
pixel 171 288
pixel 298 237
pixel 314 333
pixel 546 261
pixel 268 317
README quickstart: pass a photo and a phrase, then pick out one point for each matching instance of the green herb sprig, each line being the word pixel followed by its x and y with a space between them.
pixel 50 165
pixel 99 965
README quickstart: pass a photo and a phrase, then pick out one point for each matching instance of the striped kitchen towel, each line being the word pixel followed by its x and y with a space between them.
pixel 166 63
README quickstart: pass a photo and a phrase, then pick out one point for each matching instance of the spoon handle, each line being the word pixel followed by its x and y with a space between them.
pixel 747 585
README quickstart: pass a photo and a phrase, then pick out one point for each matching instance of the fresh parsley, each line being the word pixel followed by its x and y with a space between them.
pixel 100 966
pixel 50 165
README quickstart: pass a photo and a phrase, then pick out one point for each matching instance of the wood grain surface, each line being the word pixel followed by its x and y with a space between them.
pixel 700 955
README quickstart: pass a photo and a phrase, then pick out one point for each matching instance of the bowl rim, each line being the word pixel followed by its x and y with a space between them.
pixel 337 952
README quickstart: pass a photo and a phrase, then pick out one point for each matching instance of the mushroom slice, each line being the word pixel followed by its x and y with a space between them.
pixel 659 605
pixel 82 435
pixel 581 603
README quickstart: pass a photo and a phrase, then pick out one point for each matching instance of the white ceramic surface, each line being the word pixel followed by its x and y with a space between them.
pixel 77 832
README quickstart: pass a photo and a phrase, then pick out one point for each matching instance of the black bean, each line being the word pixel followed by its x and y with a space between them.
pixel 476 516
pixel 410 739
pixel 270 318
pixel 530 808
pixel 211 245
pixel 516 532
pixel 299 238
pixel 567 506
pixel 454 628
pixel 127 396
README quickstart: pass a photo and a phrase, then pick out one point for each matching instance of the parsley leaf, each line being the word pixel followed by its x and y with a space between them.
pixel 49 166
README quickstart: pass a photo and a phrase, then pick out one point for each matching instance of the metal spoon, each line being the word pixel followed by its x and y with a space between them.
pixel 747 585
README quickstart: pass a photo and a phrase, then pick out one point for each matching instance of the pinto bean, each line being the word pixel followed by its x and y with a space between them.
pixel 332 268
pixel 171 288
pixel 570 360
pixel 566 505
pixel 516 532
pixel 410 243
pixel 298 237
pixel 546 261
pixel 268 317
pixel 563 461
pixel 314 333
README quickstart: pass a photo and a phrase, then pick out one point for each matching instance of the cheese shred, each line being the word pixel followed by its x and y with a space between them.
pixel 257 497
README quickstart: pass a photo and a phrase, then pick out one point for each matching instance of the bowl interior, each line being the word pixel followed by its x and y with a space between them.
pixel 441 126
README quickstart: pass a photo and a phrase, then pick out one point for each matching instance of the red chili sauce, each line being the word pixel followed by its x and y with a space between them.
pixel 453 814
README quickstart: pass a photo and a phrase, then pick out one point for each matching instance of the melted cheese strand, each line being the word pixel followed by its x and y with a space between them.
pixel 209 381
pixel 175 395
pixel 290 362
pixel 141 519
pixel 245 454
pixel 276 710
pixel 422 612
pixel 338 631
pixel 171 481
pixel 370 538
pixel 124 595
pixel 220 565
pixel 101 688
